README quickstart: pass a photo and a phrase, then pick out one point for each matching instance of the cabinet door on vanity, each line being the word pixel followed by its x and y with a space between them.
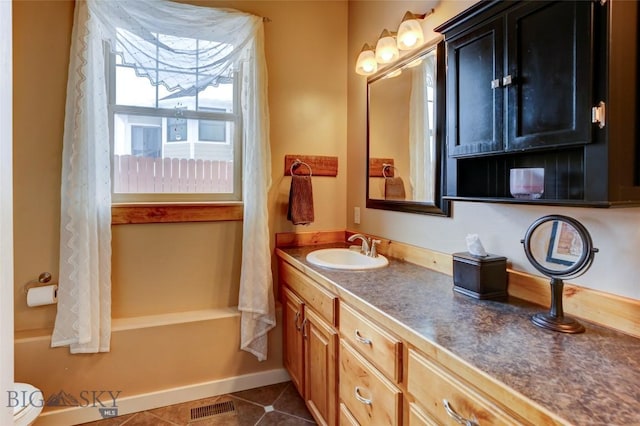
pixel 475 108
pixel 549 75
pixel 293 317
pixel 310 341
pixel 321 373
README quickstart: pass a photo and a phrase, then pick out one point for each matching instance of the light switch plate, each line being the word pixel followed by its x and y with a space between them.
pixel 356 215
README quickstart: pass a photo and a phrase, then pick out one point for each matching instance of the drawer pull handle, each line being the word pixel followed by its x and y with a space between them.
pixel 296 319
pixel 457 417
pixel 495 83
pixel 361 339
pixel 304 329
pixel 361 398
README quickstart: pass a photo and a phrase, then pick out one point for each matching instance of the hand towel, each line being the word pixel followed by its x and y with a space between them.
pixel 300 200
pixel 394 188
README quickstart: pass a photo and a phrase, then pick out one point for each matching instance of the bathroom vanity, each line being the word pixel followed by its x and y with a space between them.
pixel 397 346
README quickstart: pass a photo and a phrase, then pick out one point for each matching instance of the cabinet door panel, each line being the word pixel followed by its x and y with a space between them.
pixel 549 56
pixel 292 318
pixel 475 109
pixel 321 347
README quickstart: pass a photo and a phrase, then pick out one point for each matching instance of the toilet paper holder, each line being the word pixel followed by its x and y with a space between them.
pixel 43 278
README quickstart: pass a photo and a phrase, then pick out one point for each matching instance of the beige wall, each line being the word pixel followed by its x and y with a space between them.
pixel 616 232
pixel 164 268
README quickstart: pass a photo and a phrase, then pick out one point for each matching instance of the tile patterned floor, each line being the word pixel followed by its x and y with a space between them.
pixel 278 404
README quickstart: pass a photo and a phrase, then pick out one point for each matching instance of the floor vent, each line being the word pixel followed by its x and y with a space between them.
pixel 199 413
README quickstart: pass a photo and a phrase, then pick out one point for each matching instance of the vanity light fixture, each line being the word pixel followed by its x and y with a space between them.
pixel 386 48
pixel 366 63
pixel 410 33
pixel 389 44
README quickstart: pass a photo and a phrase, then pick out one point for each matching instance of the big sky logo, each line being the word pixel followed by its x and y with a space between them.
pixel 104 400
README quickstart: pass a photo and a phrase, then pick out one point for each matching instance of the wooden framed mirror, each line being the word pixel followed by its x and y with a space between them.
pixel 405 134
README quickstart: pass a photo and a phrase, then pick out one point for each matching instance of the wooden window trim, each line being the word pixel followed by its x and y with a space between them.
pixel 138 213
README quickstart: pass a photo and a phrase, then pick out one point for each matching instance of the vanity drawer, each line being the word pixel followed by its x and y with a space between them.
pixel 417 417
pixel 431 386
pixel 382 349
pixel 371 398
pixel 346 418
pixel 322 301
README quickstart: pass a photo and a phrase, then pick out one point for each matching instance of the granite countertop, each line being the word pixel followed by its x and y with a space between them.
pixel 592 378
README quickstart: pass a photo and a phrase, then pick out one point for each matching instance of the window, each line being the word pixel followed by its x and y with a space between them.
pixel 173 145
pixel 212 130
pixel 176 129
pixel 146 141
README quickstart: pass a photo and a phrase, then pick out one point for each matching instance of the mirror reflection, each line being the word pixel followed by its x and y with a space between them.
pixel 559 246
pixel 402 132
pixel 556 245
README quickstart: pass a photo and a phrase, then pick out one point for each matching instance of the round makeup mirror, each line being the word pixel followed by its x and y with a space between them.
pixel 560 247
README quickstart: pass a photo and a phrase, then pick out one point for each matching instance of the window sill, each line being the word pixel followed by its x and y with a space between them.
pixel 137 213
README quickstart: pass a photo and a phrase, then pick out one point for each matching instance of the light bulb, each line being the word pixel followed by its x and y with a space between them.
pixel 366 63
pixel 368 67
pixel 386 48
pixel 409 39
pixel 410 33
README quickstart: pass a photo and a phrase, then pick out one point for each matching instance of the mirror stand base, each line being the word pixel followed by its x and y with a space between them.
pixel 562 324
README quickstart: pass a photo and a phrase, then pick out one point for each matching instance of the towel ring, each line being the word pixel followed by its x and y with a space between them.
pixel 385 166
pixel 297 164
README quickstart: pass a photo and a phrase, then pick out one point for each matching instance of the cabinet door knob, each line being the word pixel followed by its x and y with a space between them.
pixel 507 80
pixel 361 339
pixel 360 398
pixel 457 417
pixel 495 83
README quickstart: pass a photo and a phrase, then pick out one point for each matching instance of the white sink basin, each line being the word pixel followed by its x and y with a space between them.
pixel 343 258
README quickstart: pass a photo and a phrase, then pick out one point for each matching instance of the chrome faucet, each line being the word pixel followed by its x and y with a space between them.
pixel 365 243
pixel 368 245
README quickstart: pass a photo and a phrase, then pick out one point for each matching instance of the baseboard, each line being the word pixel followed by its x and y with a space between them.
pixel 148 401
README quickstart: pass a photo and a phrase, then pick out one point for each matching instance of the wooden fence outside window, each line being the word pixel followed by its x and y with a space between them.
pixel 133 174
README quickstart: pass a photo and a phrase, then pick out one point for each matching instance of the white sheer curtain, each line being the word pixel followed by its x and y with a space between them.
pixel 140 31
pixel 256 300
pixel 421 147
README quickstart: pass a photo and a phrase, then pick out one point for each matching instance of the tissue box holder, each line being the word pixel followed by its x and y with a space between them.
pixel 480 277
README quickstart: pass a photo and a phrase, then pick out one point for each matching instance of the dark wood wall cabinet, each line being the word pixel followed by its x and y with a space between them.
pixel 550 84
